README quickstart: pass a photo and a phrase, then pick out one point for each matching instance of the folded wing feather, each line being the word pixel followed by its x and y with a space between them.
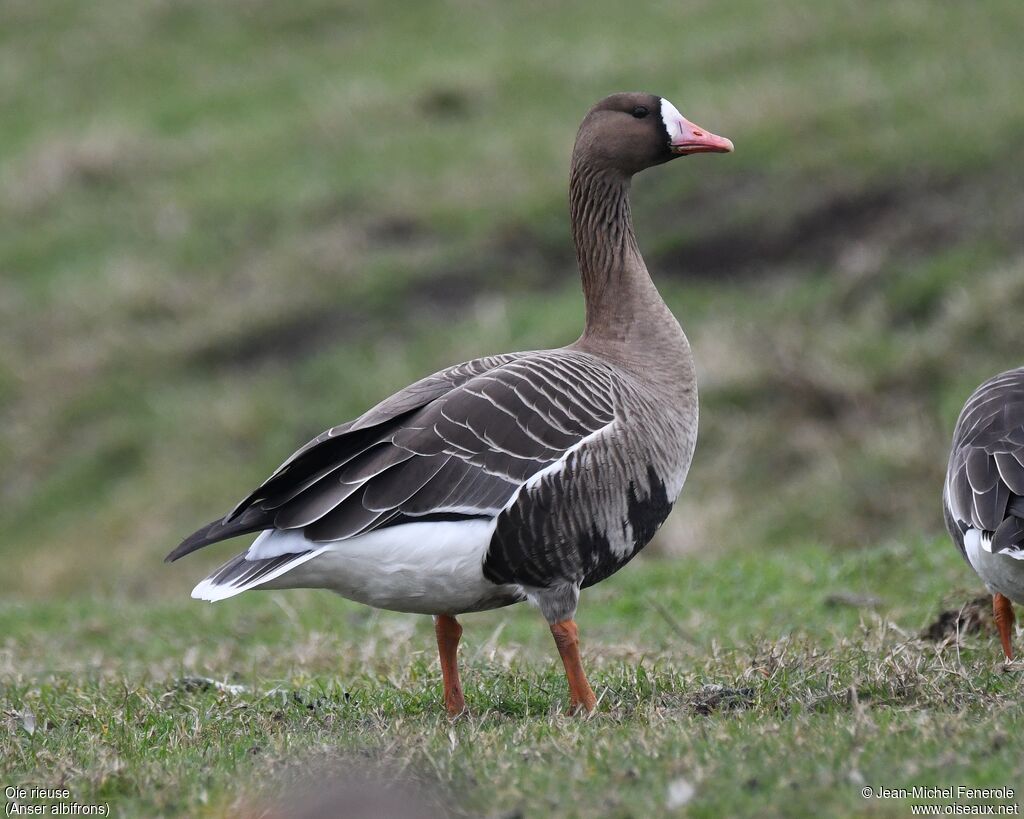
pixel 459 443
pixel 985 479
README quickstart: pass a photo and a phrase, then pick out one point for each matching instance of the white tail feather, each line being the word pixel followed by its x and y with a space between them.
pixel 208 590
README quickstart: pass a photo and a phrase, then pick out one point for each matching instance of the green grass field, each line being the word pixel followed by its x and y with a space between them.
pixel 227 226
pixel 774 685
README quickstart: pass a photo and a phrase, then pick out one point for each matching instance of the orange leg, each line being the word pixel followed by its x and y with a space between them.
pixel 448 632
pixel 1003 610
pixel 567 638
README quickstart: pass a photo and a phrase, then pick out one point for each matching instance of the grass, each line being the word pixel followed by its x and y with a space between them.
pixel 745 676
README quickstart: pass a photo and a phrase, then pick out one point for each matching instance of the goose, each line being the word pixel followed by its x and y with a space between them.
pixel 983 497
pixel 523 476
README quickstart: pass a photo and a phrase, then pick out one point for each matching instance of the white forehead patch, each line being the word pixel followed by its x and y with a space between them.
pixel 672 118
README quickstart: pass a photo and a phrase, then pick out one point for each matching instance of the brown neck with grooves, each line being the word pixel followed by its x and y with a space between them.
pixel 623 307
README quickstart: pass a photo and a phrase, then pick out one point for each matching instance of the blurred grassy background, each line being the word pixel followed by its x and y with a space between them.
pixel 225 227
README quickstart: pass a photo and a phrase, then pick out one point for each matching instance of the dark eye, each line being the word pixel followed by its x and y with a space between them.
pixel 640 112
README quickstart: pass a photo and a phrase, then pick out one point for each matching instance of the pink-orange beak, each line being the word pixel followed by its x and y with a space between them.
pixel 687 138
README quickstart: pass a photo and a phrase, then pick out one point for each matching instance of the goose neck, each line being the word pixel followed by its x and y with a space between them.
pixel 622 304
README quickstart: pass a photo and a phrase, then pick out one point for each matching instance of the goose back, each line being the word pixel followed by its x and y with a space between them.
pixel 984 489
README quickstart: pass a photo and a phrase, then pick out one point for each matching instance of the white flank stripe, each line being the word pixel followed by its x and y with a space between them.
pixel 558 465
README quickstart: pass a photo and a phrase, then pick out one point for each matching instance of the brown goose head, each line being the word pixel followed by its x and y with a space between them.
pixel 632 131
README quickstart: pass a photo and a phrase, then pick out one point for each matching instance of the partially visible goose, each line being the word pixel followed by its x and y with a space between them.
pixel 983 499
pixel 520 476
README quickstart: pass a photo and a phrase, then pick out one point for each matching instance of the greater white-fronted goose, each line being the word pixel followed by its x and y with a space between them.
pixel 521 476
pixel 983 499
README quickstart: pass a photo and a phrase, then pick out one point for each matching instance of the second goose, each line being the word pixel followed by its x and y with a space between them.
pixel 983 498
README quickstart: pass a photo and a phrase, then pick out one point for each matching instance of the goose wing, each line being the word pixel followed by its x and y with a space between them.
pixel 985 479
pixel 458 444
